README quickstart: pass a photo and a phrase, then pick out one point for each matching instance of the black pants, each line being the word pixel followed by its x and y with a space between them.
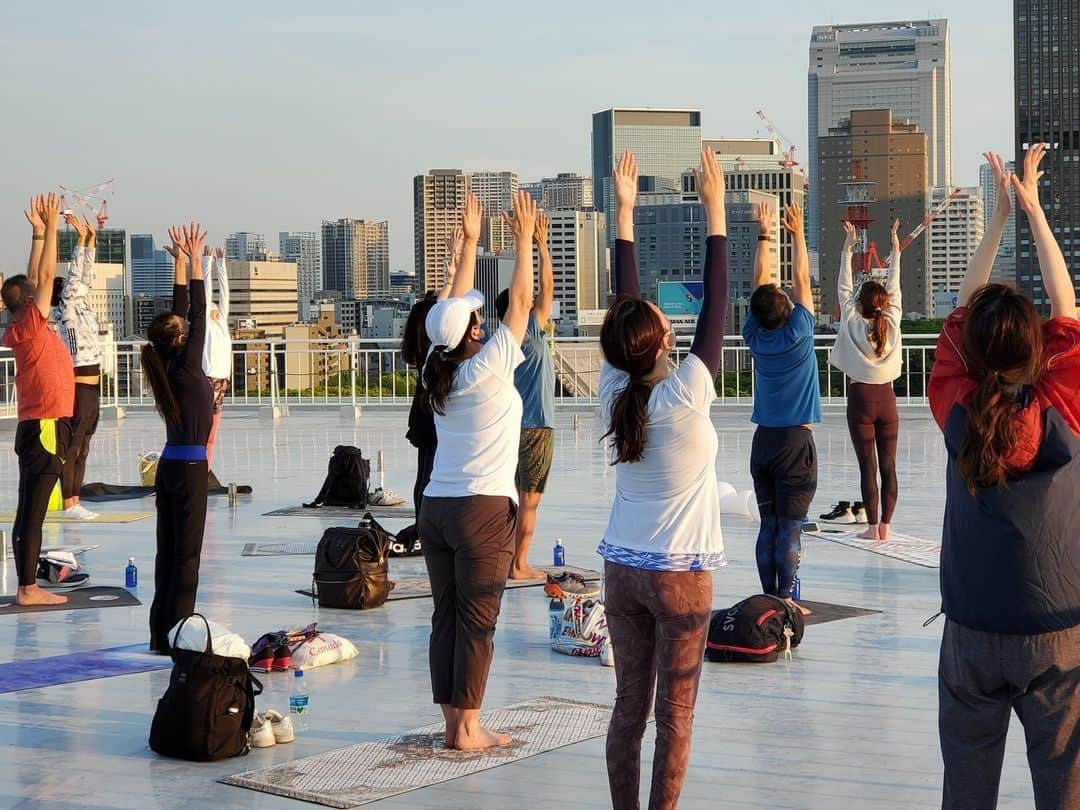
pixel 874 424
pixel 425 461
pixel 83 426
pixel 468 548
pixel 181 517
pixel 39 470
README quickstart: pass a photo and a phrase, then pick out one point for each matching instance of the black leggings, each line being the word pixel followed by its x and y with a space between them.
pixel 425 460
pixel 39 470
pixel 874 425
pixel 83 426
pixel 181 518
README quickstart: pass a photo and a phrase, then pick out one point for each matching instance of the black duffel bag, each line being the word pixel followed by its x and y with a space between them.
pixel 756 630
pixel 351 566
pixel 207 711
pixel 406 543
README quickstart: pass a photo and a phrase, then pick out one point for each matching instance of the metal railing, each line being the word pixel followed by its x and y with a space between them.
pixel 350 371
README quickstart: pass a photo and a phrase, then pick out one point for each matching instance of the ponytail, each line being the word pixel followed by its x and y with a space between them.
pixel 873 300
pixel 879 332
pixel 162 335
pixel 627 430
pixel 989 435
pixel 441 366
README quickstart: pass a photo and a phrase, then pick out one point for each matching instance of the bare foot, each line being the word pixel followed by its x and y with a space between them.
pixel 883 531
pixel 526 572
pixel 871 533
pixel 35 595
pixel 479 739
pixel 453 723
pixel 805 611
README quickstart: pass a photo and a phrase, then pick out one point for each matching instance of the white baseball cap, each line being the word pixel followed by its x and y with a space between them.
pixel 449 319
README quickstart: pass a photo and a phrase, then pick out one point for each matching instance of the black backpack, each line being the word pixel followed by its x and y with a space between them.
pixel 406 543
pixel 207 711
pixel 756 630
pixel 351 566
pixel 347 476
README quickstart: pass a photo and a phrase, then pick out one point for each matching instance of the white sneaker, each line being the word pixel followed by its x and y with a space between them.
pixel 607 653
pixel 385 497
pixel 262 732
pixel 282 727
pixel 859 516
pixel 78 512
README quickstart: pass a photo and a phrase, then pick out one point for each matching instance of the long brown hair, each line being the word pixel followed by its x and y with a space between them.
pixel 872 303
pixel 630 338
pixel 414 339
pixel 1002 334
pixel 439 370
pixel 162 334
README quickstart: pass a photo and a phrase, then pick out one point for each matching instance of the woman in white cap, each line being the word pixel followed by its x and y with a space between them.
pixel 469 512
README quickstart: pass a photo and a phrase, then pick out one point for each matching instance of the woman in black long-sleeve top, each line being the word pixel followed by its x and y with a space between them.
pixel 172 364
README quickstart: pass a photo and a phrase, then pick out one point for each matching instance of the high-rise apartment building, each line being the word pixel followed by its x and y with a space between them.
pixel 244 246
pixel 304 249
pixel 874 168
pixel 903 66
pixel 356 257
pixel 566 190
pixel 496 235
pixel 151 268
pixel 577 241
pixel 665 142
pixel 1047 92
pixel 495 190
pixel 109 299
pixel 262 296
pixel 759 164
pixel 954 236
pixel 438 200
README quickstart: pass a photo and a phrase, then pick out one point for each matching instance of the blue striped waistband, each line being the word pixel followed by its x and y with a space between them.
pixel 184 452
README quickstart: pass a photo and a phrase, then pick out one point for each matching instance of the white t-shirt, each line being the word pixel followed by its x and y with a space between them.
pixel 666 512
pixel 480 432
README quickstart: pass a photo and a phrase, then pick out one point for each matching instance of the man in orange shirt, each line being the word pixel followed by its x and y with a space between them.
pixel 45 385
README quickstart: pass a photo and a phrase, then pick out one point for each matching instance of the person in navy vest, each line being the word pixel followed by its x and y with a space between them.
pixel 1004 390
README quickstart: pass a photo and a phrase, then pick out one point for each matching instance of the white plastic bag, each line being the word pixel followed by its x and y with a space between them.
pixel 192 636
pixel 733 502
pixel 583 630
pixel 325 648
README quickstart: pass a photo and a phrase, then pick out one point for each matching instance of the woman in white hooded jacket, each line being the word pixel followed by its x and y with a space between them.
pixel 217 352
pixel 868 350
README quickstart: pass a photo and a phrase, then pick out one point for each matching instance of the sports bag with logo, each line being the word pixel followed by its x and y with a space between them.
pixel 583 629
pixel 351 566
pixel 347 476
pixel 406 543
pixel 756 630
pixel 207 711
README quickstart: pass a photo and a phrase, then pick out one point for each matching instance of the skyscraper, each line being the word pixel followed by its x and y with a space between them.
pixel 903 66
pixel 566 190
pixel 495 190
pixel 438 200
pixel 151 269
pixel 356 257
pixel 1005 261
pixel 244 246
pixel 304 249
pixel 1047 77
pixel 578 244
pixel 954 236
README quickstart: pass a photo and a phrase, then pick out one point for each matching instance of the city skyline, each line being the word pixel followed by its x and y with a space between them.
pixel 293 175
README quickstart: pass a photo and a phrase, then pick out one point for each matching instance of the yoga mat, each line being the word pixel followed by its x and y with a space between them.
pixel 378 512
pixel 827 612
pixel 88 665
pixel 103 517
pixel 98 492
pixel 899 546
pixel 88 596
pixel 370 771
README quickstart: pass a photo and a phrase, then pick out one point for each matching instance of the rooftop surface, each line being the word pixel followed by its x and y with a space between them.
pixel 850 721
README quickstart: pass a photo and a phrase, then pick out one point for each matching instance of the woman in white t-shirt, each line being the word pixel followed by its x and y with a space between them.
pixel 663 539
pixel 469 512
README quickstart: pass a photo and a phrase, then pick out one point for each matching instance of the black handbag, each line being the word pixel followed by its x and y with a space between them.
pixel 351 566
pixel 207 711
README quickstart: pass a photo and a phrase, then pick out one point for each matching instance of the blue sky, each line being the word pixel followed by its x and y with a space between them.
pixel 268 116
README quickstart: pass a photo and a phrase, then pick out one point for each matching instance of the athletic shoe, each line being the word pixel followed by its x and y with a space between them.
pixel 847 516
pixel 262 651
pixel 838 511
pixel 262 732
pixel 607 653
pixel 282 727
pixel 78 512
pixel 570 584
pixel 282 658
pixel 385 497
pixel 59 570
pixel 858 513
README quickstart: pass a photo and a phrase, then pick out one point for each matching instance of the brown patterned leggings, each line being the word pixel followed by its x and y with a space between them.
pixel 658 622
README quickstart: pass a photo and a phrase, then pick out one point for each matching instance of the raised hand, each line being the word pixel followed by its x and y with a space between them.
pixel 219 252
pixel 1027 190
pixel 207 251
pixel 76 225
pixel 1002 182
pixel 454 242
pixel 763 215
pixel 625 180
pixel 894 237
pixel 523 222
pixel 540 230
pixel 194 236
pixel 710 181
pixel 49 211
pixel 33 215
pixel 471 218
pixel 176 249
pixel 850 236
pixel 91 232
pixel 793 219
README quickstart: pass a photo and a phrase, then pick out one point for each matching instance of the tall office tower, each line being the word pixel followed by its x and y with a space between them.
pixel 438 200
pixel 872 169
pixel 111 245
pixel 304 249
pixel 904 66
pixel 262 296
pixel 1005 261
pixel 742 232
pixel 151 268
pixel 534 190
pixel 108 297
pixel 244 246
pixel 495 190
pixel 356 257
pixel 496 236
pixel 665 142
pixel 954 237
pixel 565 190
pixel 754 163
pixel 578 245
pixel 1047 78
pixel 493 275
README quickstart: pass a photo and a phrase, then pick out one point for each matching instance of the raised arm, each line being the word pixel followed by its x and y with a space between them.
pixel 542 305
pixel 75 288
pixel 465 277
pixel 180 259
pixel 708 344
pixel 33 214
pixel 625 183
pixel 892 275
pixel 221 274
pixel 208 276
pixel 982 260
pixel 793 224
pixel 762 273
pixel 1055 275
pixel 50 212
pixel 90 256
pixel 522 224
pixel 194 236
pixel 455 243
pixel 845 287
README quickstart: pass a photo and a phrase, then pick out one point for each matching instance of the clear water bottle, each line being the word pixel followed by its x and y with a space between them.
pixel 796 589
pixel 299 701
pixel 560 553
pixel 555 614
pixel 131 576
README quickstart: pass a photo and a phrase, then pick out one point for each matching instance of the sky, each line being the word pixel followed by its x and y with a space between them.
pixel 269 116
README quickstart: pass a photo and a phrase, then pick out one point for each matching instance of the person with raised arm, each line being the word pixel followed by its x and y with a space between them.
pixel 1004 391
pixel 663 538
pixel 535 381
pixel 172 362
pixel 45 387
pixel 868 350
pixel 787 401
pixel 467 521
pixel 217 353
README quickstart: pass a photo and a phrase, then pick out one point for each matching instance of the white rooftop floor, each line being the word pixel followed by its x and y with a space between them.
pixel 851 721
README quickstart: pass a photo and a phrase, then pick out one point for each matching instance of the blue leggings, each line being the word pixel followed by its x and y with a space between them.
pixel 779 548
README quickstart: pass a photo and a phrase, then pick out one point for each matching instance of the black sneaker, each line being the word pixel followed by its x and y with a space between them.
pixel 858 512
pixel 841 513
pixel 59 574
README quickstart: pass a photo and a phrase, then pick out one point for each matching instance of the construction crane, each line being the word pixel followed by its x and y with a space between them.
pixel 88 198
pixel 788 159
pixel 874 261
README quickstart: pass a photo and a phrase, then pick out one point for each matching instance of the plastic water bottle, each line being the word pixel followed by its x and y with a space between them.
pixel 555 614
pixel 298 701
pixel 796 589
pixel 131 576
pixel 560 553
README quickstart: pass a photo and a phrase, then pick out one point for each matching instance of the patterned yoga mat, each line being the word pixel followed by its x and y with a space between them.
pixel 899 546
